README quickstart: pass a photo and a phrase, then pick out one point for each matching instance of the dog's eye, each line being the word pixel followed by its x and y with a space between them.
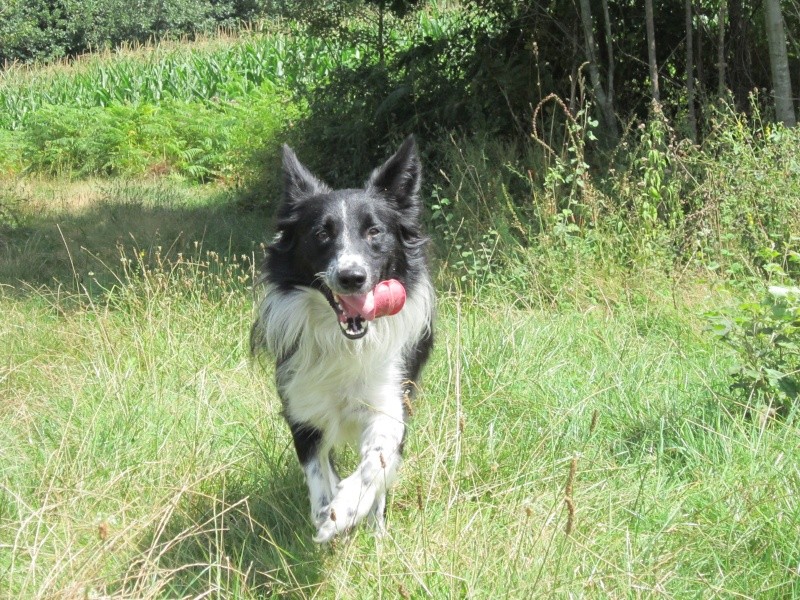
pixel 373 232
pixel 322 235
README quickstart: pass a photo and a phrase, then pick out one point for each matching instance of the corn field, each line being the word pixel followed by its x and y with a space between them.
pixel 227 68
pixel 182 73
pixel 187 108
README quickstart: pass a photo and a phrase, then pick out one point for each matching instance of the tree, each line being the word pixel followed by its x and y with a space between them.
pixel 609 51
pixel 605 102
pixel 779 63
pixel 721 82
pixel 690 71
pixel 651 50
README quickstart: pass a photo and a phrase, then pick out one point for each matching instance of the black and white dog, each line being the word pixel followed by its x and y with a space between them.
pixel 343 370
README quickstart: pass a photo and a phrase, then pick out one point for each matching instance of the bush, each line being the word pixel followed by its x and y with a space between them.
pixel 766 339
pixel 748 197
pixel 43 30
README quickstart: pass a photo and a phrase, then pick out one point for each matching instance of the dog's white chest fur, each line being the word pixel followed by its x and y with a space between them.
pixel 332 382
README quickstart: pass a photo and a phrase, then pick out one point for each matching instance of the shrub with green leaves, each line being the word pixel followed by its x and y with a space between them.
pixel 749 197
pixel 41 30
pixel 766 338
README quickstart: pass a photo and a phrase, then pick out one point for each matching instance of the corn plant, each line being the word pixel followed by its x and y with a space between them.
pixel 186 73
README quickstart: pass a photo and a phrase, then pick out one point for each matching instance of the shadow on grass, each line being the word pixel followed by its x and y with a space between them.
pixel 239 532
pixel 73 235
pixel 243 538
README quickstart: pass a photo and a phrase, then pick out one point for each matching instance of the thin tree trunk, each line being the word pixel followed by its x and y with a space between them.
pixel 651 50
pixel 739 68
pixel 721 86
pixel 381 11
pixel 690 72
pixel 604 102
pixel 610 52
pixel 779 64
pixel 701 72
pixel 574 72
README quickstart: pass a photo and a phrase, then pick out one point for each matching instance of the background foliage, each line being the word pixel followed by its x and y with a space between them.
pixel 42 30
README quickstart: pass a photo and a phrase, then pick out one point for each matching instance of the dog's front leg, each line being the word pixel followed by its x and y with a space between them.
pixel 321 478
pixel 365 490
pixel 322 481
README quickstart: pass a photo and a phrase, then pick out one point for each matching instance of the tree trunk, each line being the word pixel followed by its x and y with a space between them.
pixel 690 72
pixel 604 101
pixel 609 51
pixel 739 68
pixel 701 72
pixel 779 64
pixel 381 14
pixel 651 50
pixel 721 85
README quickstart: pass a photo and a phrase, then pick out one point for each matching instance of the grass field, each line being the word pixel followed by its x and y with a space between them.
pixel 576 434
pixel 581 451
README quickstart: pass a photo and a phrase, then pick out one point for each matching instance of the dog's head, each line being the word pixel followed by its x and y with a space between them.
pixel 345 242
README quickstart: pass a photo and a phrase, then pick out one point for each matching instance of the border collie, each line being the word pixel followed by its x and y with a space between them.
pixel 347 313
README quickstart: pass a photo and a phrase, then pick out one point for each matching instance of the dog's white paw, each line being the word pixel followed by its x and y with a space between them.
pixel 350 505
pixel 320 516
pixel 332 522
pixel 326 532
pixel 335 523
pixel 320 509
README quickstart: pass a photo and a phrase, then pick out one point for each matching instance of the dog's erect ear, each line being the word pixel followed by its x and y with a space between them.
pixel 400 176
pixel 298 182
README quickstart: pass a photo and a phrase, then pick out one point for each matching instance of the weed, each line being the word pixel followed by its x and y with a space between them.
pixel 765 337
pixel 749 198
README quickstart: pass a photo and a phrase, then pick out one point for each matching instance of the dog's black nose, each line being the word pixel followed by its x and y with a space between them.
pixel 351 279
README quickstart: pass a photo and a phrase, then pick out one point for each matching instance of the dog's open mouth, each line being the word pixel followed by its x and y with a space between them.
pixel 356 310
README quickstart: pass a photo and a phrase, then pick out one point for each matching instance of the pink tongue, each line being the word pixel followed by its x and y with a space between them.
pixel 358 305
pixel 386 299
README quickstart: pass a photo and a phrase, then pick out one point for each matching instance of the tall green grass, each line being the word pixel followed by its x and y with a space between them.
pixel 549 453
pixel 196 140
pixel 581 447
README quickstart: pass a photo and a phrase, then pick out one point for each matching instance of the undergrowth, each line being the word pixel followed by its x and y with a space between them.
pixel 198 141
pixel 729 207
